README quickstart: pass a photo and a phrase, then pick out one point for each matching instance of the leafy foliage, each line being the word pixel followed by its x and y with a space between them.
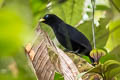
pixel 58 76
pixel 108 70
pixel 15 31
pixel 18 18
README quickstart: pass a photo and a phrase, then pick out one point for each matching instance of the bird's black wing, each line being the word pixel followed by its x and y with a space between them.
pixel 75 35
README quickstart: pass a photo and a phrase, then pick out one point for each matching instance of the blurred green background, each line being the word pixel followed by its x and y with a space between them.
pixel 18 19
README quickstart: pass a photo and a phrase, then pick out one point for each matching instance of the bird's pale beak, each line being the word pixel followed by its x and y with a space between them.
pixel 41 20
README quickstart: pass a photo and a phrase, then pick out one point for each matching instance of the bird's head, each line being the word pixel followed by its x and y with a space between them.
pixel 50 19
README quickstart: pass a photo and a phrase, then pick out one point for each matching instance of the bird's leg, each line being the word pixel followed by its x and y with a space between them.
pixel 66 50
pixel 77 51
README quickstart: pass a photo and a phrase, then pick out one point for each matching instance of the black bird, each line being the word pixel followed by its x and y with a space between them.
pixel 68 37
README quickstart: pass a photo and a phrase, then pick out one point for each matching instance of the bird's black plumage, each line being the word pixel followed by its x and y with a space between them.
pixel 69 37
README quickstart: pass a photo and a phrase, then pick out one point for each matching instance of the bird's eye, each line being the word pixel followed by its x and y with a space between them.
pixel 47 16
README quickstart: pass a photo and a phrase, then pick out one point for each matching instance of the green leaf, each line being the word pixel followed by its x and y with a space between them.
pixel 101 7
pixel 58 76
pixel 86 26
pixel 97 69
pixel 87 59
pixel 101 32
pixel 106 57
pixel 70 14
pixel 113 55
pixel 38 5
pixel 39 9
pixel 112 73
pixel 111 68
pixel 116 53
pixel 108 70
pixel 114 40
pixel 110 64
pixel 14 29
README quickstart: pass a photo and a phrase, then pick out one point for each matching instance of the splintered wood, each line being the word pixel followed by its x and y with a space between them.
pixel 41 52
pixel 48 59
